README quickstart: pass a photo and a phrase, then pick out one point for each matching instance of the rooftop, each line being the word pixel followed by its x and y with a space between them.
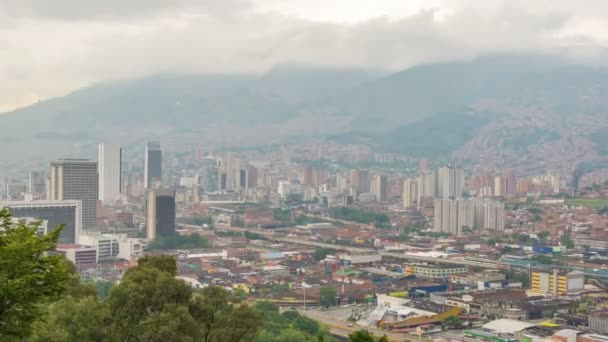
pixel 507 326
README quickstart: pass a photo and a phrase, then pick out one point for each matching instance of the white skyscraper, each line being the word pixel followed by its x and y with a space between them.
pixel 450 182
pixel 110 172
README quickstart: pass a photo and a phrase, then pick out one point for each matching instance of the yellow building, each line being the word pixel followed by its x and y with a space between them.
pixel 556 283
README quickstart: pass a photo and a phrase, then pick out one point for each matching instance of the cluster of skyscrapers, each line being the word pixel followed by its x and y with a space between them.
pixel 446 183
pixel 75 186
pixel 454 216
pixel 452 212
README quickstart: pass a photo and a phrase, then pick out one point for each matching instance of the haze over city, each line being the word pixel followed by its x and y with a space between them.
pixel 293 171
pixel 52 48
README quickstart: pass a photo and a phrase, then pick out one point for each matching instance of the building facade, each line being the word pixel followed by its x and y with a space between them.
pixel 153 165
pixel 76 179
pixel 453 215
pixel 55 213
pixel 160 213
pixel 110 172
pixel 556 283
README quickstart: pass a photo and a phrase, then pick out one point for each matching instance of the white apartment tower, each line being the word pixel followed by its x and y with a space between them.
pixel 450 182
pixel 110 172
pixel 410 194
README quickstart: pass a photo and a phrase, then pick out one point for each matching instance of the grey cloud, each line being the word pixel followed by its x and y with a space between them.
pixel 116 9
pixel 48 52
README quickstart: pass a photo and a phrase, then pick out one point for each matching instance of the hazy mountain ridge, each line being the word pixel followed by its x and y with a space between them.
pixel 440 110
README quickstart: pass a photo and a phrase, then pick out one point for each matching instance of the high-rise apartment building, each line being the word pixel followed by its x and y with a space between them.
pixel 499 186
pixel 427 185
pixel 109 164
pixel 360 181
pixel 252 177
pixel 423 166
pixel 153 165
pixel 410 193
pixel 284 188
pixel 380 187
pixel 160 213
pixel 453 215
pixel 450 182
pixel 76 179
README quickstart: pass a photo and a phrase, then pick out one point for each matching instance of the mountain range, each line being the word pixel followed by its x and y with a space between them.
pixel 529 112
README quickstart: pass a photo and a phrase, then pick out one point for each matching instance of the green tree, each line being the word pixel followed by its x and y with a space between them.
pixel 70 319
pixel 29 276
pixel 173 323
pixel 192 241
pixel 565 240
pixel 201 220
pixel 165 263
pixel 542 236
pixel 321 253
pixel 361 336
pixel 291 315
pixel 144 291
pixel 327 295
pixel 292 335
pixel 103 288
pixel 223 317
pixel 365 336
pixel 451 322
pixel 306 324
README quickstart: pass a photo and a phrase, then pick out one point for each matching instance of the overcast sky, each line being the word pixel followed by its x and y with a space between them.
pixel 50 47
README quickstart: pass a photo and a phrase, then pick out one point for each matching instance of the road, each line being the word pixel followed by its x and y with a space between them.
pixel 304 242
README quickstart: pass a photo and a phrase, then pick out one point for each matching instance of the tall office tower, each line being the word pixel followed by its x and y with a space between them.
pixel 423 166
pixel 410 193
pixel 450 181
pixel 160 213
pixel 229 172
pixel 68 213
pixel 380 187
pixel 242 178
pixel 109 165
pixel 76 179
pixel 36 183
pixel 576 177
pixel 153 165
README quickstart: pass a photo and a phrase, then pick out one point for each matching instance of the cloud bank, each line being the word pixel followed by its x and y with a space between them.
pixel 50 47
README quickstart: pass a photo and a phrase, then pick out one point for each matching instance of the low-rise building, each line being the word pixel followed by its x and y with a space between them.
pixel 598 322
pixel 82 256
pixel 556 283
pixel 435 271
